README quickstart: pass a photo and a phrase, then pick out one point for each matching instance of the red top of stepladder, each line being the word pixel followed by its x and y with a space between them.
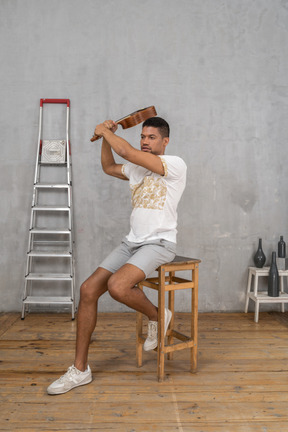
pixel 55 101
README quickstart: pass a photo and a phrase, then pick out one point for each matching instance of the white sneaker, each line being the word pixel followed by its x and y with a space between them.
pixel 152 339
pixel 72 378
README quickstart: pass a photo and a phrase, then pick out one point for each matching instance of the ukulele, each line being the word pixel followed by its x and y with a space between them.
pixel 133 119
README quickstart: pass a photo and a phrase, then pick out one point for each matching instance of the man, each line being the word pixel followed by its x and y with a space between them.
pixel 157 183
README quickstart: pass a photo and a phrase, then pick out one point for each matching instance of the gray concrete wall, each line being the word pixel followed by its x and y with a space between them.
pixel 217 70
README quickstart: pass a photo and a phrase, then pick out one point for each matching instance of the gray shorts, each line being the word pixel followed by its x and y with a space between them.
pixel 147 256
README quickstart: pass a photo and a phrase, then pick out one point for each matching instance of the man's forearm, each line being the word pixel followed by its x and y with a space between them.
pixel 107 158
pixel 115 143
pixel 109 165
pixel 118 144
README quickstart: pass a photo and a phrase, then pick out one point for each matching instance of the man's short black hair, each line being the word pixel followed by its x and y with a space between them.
pixel 158 123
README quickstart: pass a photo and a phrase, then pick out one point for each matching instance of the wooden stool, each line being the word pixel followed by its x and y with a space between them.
pixel 171 283
pixel 262 296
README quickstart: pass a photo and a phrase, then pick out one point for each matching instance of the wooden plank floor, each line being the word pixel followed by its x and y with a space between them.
pixel 241 384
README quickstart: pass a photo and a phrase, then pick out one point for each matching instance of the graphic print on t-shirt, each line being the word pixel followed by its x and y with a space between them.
pixel 150 193
pixel 154 199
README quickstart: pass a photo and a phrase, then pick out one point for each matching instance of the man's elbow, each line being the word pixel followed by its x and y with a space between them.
pixel 123 153
pixel 106 170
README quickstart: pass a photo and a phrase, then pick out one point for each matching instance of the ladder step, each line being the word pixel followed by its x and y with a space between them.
pixel 48 243
pixel 51 185
pixel 48 300
pixel 61 164
pixel 50 208
pixel 50 231
pixel 49 276
pixel 64 254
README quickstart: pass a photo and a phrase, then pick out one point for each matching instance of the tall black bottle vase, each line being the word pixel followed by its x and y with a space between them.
pixel 281 248
pixel 273 278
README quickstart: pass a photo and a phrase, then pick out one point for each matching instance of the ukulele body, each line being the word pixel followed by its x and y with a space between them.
pixel 134 119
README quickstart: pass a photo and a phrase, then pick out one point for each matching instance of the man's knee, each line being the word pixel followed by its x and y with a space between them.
pixel 116 290
pixel 90 292
pixel 86 292
pixel 95 285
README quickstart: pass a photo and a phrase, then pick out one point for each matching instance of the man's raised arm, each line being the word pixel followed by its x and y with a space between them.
pixel 108 163
pixel 125 150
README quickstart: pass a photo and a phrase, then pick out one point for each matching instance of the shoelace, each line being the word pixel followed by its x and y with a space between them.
pixel 70 372
pixel 152 329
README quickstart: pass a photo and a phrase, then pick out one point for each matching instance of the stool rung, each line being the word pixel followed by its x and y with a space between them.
pixel 149 284
pixel 154 280
pixel 178 346
pixel 179 279
pixel 180 336
pixel 183 284
pixel 174 287
pixel 141 339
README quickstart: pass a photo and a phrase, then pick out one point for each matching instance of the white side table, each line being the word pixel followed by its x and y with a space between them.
pixel 262 296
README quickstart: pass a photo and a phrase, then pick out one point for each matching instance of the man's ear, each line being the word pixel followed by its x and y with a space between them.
pixel 165 141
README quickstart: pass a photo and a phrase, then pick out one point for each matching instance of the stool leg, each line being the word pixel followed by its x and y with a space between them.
pixel 171 306
pixel 282 291
pixel 161 319
pixel 139 332
pixel 194 320
pixel 256 316
pixel 248 291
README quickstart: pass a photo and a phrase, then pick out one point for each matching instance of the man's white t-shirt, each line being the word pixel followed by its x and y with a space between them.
pixel 155 199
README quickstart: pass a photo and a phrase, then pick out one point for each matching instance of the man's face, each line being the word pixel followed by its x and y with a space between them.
pixel 152 141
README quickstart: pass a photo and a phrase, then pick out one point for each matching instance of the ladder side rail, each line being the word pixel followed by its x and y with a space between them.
pixel 30 243
pixel 69 196
pixel 23 298
pixel 71 264
pixel 28 265
pixel 70 204
pixel 68 149
pixel 36 176
pixel 31 224
pixel 69 181
pixel 34 198
pixel 72 224
pixel 35 192
pixel 32 218
pixel 69 220
pixel 73 308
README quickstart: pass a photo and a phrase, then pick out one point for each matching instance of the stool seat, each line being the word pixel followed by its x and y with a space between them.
pixel 181 259
pixel 170 283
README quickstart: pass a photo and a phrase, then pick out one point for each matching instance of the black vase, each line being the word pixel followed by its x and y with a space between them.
pixel 281 248
pixel 273 278
pixel 259 257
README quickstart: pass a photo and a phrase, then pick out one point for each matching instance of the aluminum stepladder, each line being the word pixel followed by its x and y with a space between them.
pixel 50 266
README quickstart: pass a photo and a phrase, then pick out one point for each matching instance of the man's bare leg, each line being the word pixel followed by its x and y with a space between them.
pixel 121 286
pixel 90 291
pixel 79 374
